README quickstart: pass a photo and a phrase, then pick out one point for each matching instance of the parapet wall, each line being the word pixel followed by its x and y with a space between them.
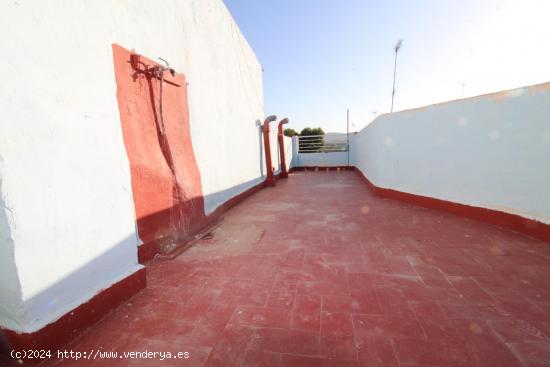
pixel 490 151
pixel 69 150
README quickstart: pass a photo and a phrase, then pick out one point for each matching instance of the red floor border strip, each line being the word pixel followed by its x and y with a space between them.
pixel 323 168
pixel 63 330
pixel 514 222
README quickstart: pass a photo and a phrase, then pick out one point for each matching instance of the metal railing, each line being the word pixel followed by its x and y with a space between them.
pixel 323 143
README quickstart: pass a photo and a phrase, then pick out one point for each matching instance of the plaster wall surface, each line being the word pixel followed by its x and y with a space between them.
pixel 11 303
pixel 68 223
pixel 490 151
pixel 289 151
pixel 275 153
pixel 225 102
pixel 274 146
pixel 295 145
pixel 328 159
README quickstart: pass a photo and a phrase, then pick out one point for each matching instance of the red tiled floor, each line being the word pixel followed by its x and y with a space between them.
pixel 320 272
pixel 261 317
pixel 306 313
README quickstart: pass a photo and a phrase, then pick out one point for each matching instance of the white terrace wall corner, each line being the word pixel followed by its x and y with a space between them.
pixel 68 226
pixel 225 103
pixel 11 305
pixel 328 159
pixel 289 152
pixel 490 151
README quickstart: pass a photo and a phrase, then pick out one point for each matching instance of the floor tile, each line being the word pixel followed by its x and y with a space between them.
pixel 344 279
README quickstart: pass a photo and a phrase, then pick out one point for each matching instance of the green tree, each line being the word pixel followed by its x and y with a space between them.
pixel 290 132
pixel 309 131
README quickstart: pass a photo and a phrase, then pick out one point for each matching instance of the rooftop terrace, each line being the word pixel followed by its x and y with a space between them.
pixel 131 131
pixel 318 271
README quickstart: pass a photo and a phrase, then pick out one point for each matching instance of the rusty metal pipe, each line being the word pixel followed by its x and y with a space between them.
pixel 280 137
pixel 269 181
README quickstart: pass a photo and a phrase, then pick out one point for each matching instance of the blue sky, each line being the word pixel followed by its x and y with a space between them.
pixel 323 56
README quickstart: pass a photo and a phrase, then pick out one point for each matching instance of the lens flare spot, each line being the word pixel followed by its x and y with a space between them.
pixel 546 136
pixel 475 328
pixel 494 135
pixel 365 209
pixel 388 141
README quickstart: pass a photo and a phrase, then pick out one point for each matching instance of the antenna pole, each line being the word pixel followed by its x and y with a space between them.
pixel 396 49
pixel 347 132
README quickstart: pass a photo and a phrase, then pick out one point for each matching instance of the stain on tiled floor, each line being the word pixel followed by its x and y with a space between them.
pixel 318 271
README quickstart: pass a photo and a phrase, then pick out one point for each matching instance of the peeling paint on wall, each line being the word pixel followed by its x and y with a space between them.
pixel 166 182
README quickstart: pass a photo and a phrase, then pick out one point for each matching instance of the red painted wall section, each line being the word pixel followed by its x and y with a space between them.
pixel 166 182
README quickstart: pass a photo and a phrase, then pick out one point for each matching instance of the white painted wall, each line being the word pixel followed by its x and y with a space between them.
pixel 491 151
pixel 274 146
pixel 328 159
pixel 295 144
pixel 225 100
pixel 67 222
pixel 275 154
pixel 11 301
pixel 289 151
